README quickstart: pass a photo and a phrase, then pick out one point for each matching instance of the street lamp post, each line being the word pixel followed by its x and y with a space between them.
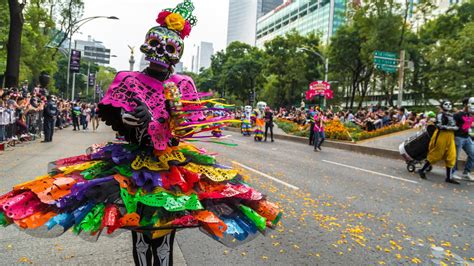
pixel 326 66
pixel 73 30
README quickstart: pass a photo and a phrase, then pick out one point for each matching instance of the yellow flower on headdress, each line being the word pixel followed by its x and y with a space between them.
pixel 175 22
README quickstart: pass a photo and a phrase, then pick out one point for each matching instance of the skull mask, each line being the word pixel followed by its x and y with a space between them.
pixel 163 47
pixel 248 109
pixel 261 106
pixel 446 105
pixel 470 104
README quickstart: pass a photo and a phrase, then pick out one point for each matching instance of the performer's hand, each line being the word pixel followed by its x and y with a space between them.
pixel 139 117
pixel 142 112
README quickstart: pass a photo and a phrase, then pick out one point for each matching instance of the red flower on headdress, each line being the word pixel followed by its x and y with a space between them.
pixel 162 16
pixel 186 30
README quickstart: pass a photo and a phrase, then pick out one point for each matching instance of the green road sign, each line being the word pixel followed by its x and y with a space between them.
pixel 380 61
pixel 388 69
pixel 386 54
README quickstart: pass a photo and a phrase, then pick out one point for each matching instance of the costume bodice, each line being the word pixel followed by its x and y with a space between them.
pixel 128 87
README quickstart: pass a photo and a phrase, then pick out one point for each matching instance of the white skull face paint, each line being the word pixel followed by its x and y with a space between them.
pixel 261 106
pixel 248 109
pixel 471 104
pixel 447 106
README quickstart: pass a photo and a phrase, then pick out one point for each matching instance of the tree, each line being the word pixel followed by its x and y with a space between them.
pixel 105 76
pixel 4 22
pixel 235 72
pixel 205 80
pixel 12 72
pixel 290 70
pixel 452 60
pixel 445 50
pixel 346 61
pixel 35 55
pixel 377 25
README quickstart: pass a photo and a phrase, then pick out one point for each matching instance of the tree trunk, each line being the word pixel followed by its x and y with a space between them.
pixel 353 92
pixel 12 72
pixel 365 87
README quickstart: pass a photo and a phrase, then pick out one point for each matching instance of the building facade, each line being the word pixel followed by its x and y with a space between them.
pixel 440 7
pixel 265 6
pixel 93 51
pixel 322 17
pixel 243 15
pixel 202 56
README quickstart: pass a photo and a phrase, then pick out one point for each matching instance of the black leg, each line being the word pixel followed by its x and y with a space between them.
pixel 142 254
pixel 163 250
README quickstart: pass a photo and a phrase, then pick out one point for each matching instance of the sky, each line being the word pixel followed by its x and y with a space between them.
pixel 136 17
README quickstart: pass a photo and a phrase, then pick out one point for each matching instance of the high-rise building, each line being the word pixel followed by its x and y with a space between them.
pixel 202 56
pixel 93 51
pixel 243 16
pixel 265 6
pixel 440 7
pixel 179 67
pixel 322 17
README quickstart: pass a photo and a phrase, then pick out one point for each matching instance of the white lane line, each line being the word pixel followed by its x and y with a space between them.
pixel 236 140
pixel 267 176
pixel 372 172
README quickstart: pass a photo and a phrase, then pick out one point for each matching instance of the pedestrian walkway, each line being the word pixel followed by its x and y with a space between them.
pixel 25 162
pixel 388 142
pixel 393 141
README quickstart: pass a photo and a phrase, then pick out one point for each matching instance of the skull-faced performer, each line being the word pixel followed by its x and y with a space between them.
pixel 155 182
pixel 442 145
pixel 246 128
pixel 258 118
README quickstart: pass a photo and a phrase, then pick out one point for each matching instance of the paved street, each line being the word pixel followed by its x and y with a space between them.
pixel 27 161
pixel 380 214
pixel 340 208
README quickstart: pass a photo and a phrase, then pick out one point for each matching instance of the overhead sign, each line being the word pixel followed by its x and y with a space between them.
pixel 386 68
pixel 381 61
pixel 319 88
pixel 386 61
pixel 386 54
pixel 75 65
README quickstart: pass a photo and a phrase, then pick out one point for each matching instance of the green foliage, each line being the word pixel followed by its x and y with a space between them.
pixel 42 19
pixel 35 56
pixel 378 25
pixel 105 76
pixel 4 22
pixel 447 51
pixel 241 70
pixel 292 68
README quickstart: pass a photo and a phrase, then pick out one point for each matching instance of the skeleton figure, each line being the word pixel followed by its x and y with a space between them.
pixel 259 120
pixel 445 120
pixel 471 104
pixel 163 47
pixel 261 107
pixel 247 121
pixel 442 145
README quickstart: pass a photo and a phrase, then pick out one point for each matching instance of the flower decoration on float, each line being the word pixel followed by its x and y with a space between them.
pixel 179 19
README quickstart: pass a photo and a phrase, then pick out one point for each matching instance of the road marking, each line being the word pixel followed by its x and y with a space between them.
pixel 267 176
pixel 237 140
pixel 372 172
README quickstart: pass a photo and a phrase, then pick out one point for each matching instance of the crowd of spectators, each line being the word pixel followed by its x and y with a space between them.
pixel 368 118
pixel 22 115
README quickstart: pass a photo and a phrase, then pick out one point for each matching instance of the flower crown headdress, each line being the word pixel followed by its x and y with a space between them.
pixel 179 19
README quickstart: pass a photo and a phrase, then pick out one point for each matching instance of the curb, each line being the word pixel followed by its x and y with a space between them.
pixel 390 154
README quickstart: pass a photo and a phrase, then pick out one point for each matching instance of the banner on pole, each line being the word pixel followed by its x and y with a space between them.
pixel 319 88
pixel 91 79
pixel 75 61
